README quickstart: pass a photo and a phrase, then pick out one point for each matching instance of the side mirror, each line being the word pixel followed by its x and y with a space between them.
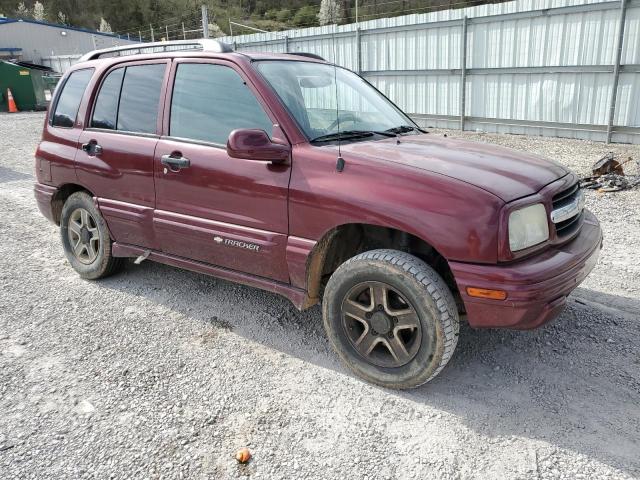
pixel 256 145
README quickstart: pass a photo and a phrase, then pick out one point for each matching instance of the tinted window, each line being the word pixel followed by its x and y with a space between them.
pixel 106 109
pixel 138 110
pixel 209 101
pixel 70 97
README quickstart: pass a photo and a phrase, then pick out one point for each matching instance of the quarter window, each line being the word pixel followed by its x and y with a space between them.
pixel 70 97
pixel 210 101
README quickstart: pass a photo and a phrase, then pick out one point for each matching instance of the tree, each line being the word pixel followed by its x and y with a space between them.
pixel 104 26
pixel 329 12
pixel 22 11
pixel 38 12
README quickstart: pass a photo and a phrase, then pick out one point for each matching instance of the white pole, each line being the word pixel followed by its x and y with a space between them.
pixel 205 22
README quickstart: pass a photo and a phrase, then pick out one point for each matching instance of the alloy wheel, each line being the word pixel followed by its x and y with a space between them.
pixel 381 324
pixel 84 237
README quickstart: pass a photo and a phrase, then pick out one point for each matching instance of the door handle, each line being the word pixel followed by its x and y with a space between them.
pixel 175 163
pixel 92 148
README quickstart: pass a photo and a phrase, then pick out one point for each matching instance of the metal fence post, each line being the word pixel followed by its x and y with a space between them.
pixel 286 43
pixel 463 71
pixel 616 69
pixel 358 51
pixel 205 22
pixel 153 39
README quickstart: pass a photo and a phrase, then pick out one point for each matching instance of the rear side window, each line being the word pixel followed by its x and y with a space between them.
pixel 70 97
pixel 139 99
pixel 209 101
pixel 128 99
pixel 105 112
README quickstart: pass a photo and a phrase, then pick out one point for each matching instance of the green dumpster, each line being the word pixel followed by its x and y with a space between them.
pixel 26 84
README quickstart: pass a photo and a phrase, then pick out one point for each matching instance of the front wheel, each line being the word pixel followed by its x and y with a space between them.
pixel 85 238
pixel 391 318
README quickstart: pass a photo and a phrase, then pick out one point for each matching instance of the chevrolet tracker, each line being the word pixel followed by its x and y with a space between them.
pixel 290 174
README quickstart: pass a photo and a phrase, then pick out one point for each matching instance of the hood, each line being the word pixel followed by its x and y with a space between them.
pixel 506 173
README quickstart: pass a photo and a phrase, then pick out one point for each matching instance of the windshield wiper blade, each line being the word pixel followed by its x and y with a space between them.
pixel 404 129
pixel 347 134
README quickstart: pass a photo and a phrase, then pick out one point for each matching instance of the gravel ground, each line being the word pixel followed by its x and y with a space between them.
pixel 163 373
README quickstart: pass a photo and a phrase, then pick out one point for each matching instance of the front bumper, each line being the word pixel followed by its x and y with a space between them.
pixel 536 287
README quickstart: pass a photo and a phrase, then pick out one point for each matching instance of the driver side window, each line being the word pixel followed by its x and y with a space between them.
pixel 210 101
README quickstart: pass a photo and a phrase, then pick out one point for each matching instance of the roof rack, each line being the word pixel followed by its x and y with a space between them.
pixel 309 55
pixel 202 44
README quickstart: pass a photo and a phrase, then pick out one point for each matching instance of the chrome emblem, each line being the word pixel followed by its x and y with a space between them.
pixel 569 210
pixel 227 242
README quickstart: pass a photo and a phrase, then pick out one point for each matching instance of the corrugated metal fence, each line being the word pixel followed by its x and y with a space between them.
pixel 547 67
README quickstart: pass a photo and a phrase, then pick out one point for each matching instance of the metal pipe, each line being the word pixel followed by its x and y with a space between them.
pixel 463 71
pixel 205 21
pixel 358 50
pixel 616 69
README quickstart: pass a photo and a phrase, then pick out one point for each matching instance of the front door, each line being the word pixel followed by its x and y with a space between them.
pixel 115 160
pixel 210 207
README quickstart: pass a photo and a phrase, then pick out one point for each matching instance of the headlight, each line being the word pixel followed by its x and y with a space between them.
pixel 527 227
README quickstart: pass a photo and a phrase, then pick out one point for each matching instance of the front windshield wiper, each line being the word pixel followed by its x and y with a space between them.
pixel 404 129
pixel 350 134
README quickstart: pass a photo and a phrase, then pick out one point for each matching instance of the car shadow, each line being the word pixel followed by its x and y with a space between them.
pixel 10 175
pixel 573 383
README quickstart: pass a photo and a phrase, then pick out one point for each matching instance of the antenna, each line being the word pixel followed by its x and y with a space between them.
pixel 340 161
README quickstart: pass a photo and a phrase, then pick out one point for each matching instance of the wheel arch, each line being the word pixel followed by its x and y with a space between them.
pixel 60 196
pixel 348 240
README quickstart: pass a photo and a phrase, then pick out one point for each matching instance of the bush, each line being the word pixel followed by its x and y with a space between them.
pixel 306 17
pixel 284 15
pixel 271 14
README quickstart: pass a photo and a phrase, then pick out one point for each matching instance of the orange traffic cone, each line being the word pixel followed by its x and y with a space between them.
pixel 11 102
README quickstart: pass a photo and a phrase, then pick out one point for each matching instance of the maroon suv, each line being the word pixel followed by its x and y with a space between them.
pixel 289 174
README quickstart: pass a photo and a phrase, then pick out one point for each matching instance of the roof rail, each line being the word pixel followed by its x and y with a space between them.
pixel 202 44
pixel 307 54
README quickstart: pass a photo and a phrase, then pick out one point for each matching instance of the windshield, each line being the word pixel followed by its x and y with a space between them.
pixel 309 92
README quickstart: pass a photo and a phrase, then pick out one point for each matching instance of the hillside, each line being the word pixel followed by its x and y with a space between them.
pixel 138 17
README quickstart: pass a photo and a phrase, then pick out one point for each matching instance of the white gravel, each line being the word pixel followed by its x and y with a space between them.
pixel 163 373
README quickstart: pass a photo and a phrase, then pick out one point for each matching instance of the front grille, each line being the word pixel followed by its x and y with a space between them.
pixel 564 195
pixel 568 211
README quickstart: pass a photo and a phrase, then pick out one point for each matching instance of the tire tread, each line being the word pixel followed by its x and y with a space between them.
pixel 433 285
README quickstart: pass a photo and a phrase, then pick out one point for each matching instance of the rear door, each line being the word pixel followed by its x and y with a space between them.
pixel 223 211
pixel 115 160
pixel 56 152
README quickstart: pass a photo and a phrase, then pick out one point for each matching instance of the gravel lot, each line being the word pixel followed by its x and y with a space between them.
pixel 159 372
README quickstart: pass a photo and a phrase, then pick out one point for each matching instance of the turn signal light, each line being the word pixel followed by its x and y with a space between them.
pixel 486 293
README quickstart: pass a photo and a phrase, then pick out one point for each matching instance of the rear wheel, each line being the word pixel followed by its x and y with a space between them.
pixel 391 318
pixel 85 238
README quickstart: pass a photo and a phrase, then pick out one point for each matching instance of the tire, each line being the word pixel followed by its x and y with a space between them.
pixel 91 257
pixel 418 321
